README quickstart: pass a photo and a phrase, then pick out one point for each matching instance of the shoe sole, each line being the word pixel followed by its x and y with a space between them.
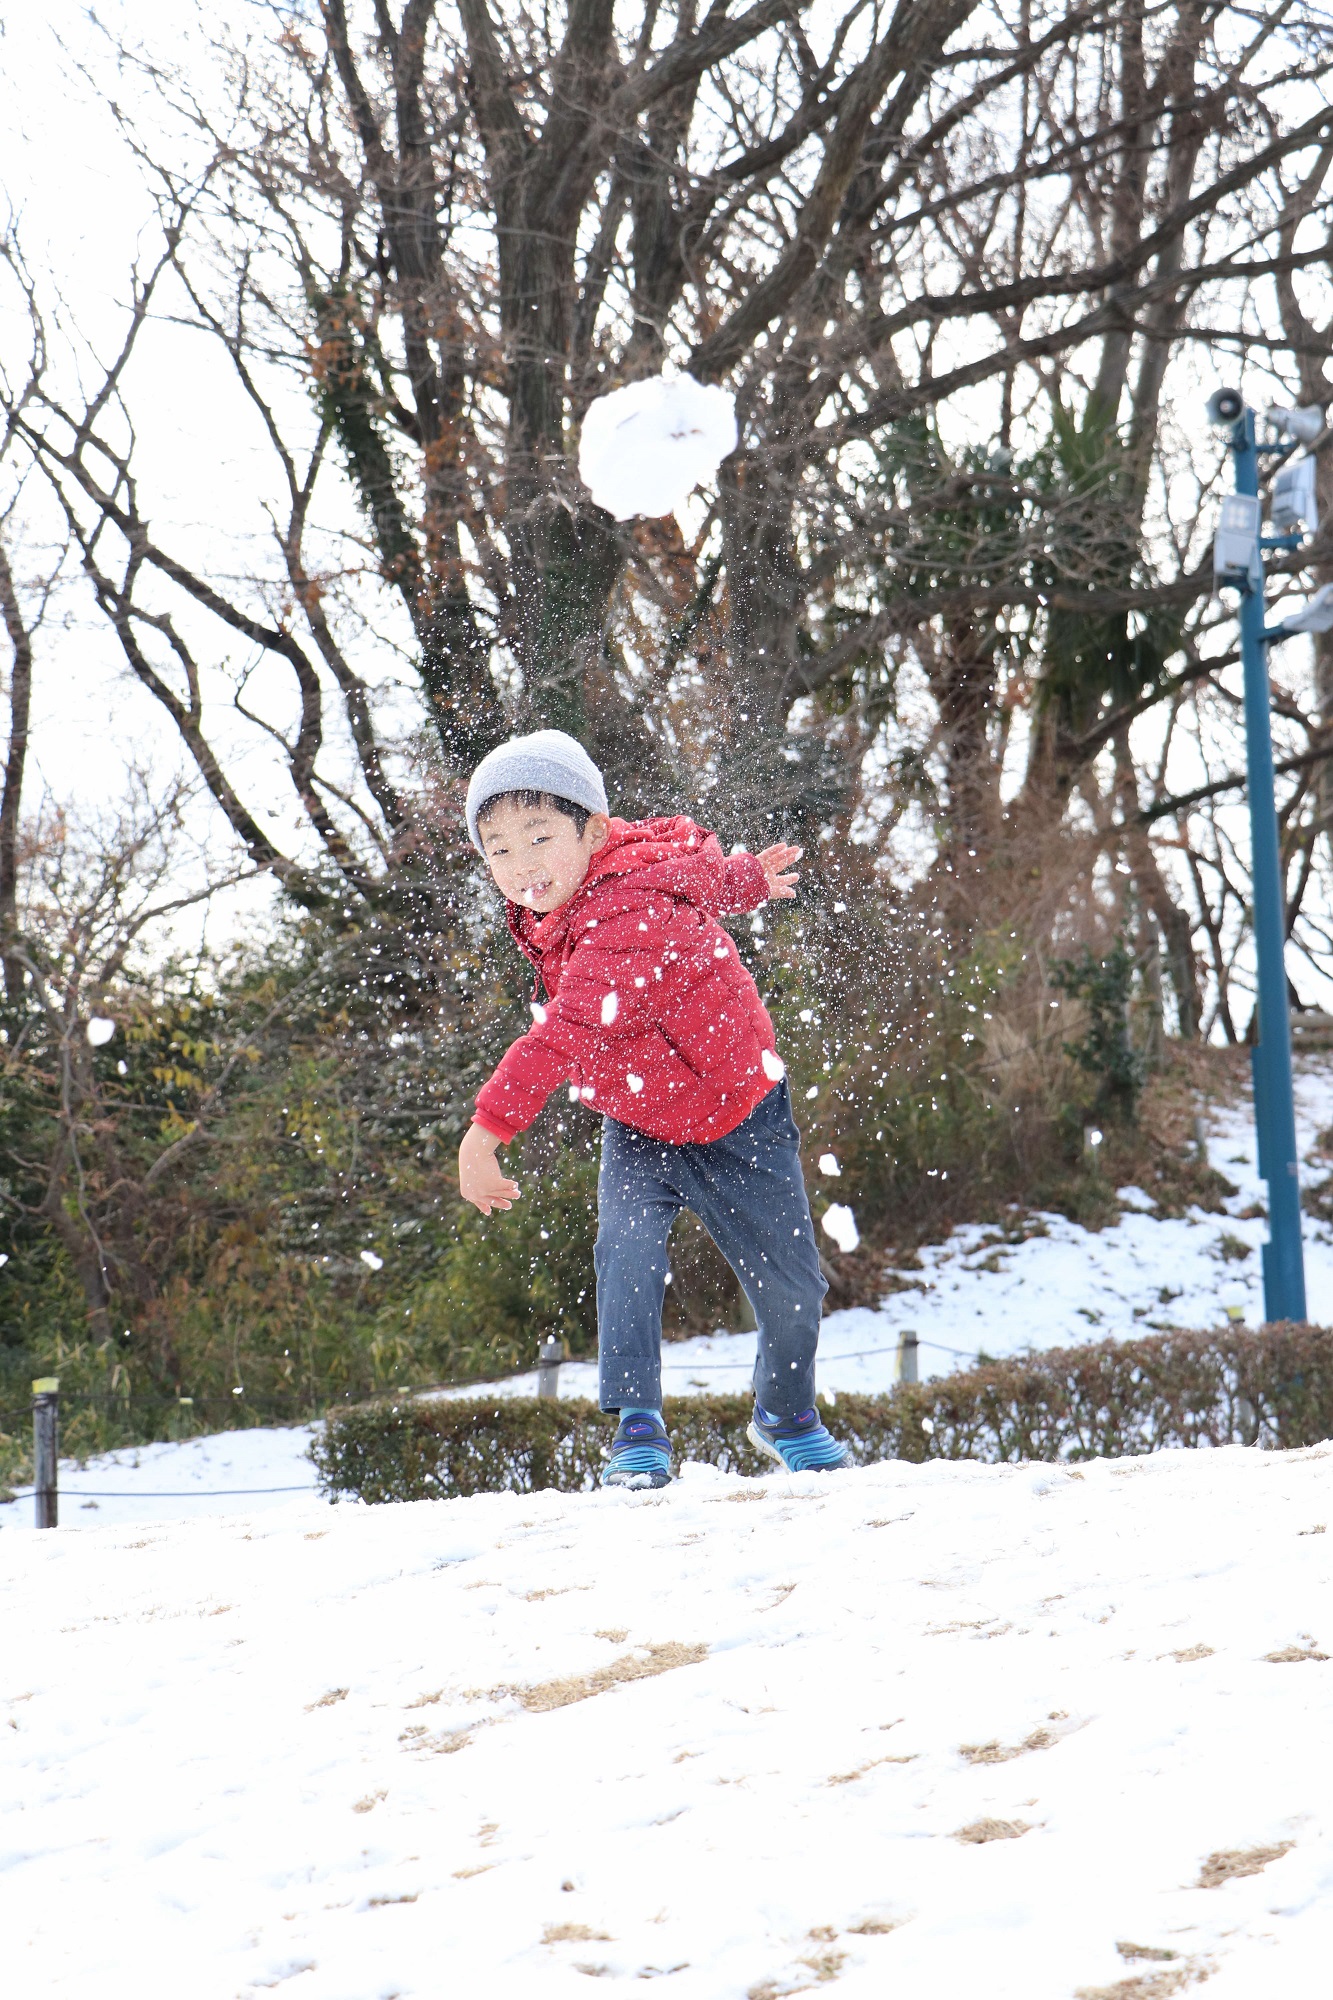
pixel 637 1482
pixel 770 1450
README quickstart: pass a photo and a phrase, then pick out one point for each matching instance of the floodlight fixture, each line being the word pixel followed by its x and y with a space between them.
pixel 1315 615
pixel 1304 424
pixel 1236 544
pixel 1294 503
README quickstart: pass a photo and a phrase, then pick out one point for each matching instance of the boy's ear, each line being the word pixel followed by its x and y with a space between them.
pixel 599 829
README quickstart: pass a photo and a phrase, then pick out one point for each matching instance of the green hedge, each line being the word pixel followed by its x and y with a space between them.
pixel 1113 1400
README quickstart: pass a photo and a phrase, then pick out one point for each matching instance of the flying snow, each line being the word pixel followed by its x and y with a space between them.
pixel 635 1082
pixel 774 1066
pixel 100 1030
pixel 610 1008
pixel 828 1164
pixel 839 1223
pixel 647 446
pixel 373 1262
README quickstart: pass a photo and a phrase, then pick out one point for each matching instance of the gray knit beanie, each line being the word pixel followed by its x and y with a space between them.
pixel 546 761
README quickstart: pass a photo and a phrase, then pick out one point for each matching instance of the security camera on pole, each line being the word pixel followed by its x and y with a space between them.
pixel 1238 563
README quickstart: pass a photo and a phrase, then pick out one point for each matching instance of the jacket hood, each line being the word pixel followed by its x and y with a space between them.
pixel 630 846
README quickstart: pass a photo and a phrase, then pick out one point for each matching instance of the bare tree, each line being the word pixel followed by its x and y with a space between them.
pixel 890 231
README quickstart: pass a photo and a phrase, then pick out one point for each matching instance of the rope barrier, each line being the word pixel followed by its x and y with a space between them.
pixel 861 1354
pixel 193 1493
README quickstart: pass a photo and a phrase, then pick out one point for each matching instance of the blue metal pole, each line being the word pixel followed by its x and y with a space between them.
pixel 1274 1108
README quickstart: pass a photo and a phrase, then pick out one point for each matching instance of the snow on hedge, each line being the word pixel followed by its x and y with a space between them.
pixel 644 448
pixel 947 1729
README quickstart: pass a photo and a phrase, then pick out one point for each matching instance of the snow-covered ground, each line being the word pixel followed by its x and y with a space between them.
pixel 931 1730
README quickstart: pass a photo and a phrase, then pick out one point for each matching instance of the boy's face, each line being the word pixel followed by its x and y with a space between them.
pixel 535 855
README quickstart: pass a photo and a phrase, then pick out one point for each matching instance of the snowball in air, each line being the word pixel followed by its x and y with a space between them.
pixel 828 1164
pixel 646 447
pixel 635 1083
pixel 839 1223
pixel 774 1066
pixel 610 1008
pixel 375 1263
pixel 100 1030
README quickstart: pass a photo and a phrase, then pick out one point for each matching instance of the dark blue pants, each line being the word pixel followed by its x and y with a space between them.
pixel 747 1191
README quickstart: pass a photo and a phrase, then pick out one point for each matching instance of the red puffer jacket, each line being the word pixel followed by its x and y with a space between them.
pixel 650 1014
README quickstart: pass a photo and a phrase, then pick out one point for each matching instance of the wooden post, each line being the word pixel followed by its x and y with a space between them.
pixel 908 1351
pixel 45 1447
pixel 549 1356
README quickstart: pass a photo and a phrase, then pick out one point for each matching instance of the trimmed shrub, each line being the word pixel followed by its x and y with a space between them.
pixel 1116 1399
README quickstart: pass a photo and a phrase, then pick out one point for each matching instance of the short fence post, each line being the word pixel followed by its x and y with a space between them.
pixel 908 1346
pixel 549 1356
pixel 45 1447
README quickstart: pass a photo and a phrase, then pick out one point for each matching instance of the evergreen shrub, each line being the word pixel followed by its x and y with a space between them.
pixel 1117 1399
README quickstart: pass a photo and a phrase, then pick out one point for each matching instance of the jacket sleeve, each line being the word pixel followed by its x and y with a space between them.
pixel 721 884
pixel 528 1071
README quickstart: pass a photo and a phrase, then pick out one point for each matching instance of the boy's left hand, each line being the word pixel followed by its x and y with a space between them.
pixel 779 866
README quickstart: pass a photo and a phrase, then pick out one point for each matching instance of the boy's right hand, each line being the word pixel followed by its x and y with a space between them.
pixel 481 1180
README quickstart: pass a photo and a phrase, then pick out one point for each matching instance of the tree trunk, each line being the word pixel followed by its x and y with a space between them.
pixel 20 705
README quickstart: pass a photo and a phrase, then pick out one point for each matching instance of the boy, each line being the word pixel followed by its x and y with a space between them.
pixel 651 1018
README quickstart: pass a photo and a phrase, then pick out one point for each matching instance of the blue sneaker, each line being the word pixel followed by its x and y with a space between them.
pixel 640 1453
pixel 800 1444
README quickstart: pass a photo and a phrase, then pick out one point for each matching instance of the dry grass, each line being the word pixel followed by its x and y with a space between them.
pixel 574 1934
pixel 382 1902
pixel 1290 1654
pixel 1145 1951
pixel 1231 1862
pixel 1145 1985
pixel 1002 1753
pixel 982 1830
pixel 1188 1653
pixel 327 1700
pixel 825 1965
pixel 849 1777
pixel 446 1743
pixel 875 1926
pixel 369 1803
pixel 617 1634
pixel 640 1666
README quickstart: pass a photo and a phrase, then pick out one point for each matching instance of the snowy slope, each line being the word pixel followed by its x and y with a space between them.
pixel 359 1754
